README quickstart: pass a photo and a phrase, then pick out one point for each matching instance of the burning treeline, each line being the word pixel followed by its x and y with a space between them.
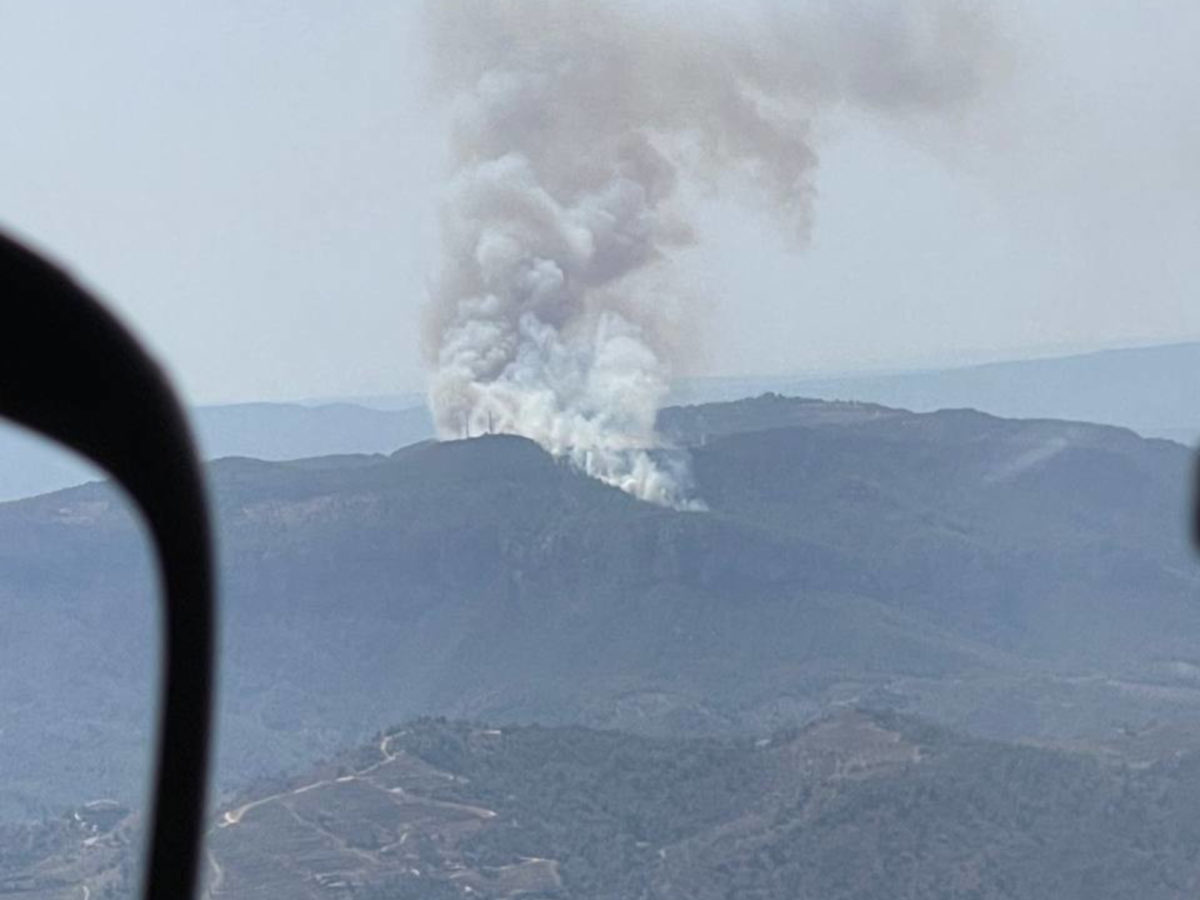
pixel 573 125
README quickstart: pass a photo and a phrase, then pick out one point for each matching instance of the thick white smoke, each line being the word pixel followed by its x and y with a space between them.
pixel 573 123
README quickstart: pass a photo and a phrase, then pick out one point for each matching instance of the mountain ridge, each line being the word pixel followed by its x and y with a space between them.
pixel 950 564
pixel 1149 389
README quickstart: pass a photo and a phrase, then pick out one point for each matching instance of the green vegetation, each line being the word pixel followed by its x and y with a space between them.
pixel 1019 580
pixel 855 806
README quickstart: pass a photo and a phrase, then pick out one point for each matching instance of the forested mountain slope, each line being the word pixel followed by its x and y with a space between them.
pixel 1019 579
pixel 853 806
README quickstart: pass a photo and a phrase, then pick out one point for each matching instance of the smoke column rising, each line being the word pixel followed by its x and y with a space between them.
pixel 573 124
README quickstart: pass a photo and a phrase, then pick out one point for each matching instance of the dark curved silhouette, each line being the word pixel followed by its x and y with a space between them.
pixel 69 370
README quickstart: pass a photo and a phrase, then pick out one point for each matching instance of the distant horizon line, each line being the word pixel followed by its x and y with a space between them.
pixel 412 397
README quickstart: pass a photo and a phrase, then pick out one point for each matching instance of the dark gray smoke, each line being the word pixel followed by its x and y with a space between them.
pixel 573 125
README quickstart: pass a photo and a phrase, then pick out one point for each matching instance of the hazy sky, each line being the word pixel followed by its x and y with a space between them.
pixel 253 184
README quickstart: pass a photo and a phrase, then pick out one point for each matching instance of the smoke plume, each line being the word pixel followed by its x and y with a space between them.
pixel 573 126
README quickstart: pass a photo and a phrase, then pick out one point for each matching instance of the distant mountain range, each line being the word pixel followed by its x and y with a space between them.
pixel 31 466
pixel 854 806
pixel 1154 390
pixel 1021 580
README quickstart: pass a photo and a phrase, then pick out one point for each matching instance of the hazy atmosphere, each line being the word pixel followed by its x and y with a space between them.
pixel 653 449
pixel 263 206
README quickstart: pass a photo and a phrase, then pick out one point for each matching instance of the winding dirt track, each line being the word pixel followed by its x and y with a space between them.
pixel 233 817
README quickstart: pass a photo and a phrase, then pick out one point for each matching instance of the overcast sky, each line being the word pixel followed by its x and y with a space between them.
pixel 253 185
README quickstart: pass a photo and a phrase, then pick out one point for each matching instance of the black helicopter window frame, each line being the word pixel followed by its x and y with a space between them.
pixel 69 370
